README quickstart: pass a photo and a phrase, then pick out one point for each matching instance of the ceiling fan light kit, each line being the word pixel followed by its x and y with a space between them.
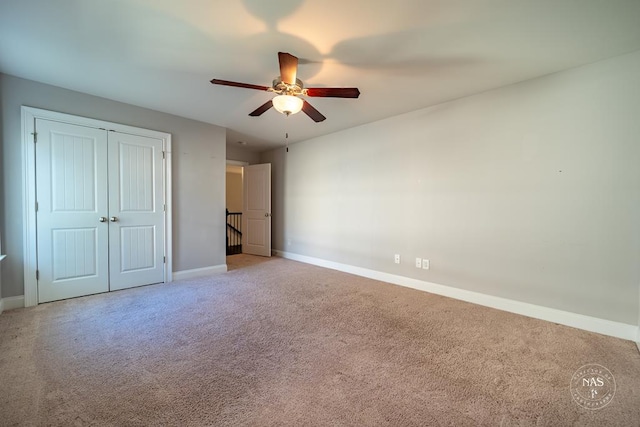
pixel 289 89
pixel 287 104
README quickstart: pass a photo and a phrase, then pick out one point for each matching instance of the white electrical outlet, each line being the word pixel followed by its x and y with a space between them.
pixel 425 264
pixel 396 259
pixel 418 262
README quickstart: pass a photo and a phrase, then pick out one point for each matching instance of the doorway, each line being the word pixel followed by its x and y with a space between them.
pixel 234 197
pixel 248 196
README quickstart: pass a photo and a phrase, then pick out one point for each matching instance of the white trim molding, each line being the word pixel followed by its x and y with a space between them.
pixel 11 303
pixel 199 272
pixel 1 300
pixel 638 335
pixel 575 320
pixel 29 116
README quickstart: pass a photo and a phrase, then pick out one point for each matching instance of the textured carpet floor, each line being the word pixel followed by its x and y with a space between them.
pixel 274 342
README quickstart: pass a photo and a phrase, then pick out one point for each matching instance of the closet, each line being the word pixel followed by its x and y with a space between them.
pixel 100 209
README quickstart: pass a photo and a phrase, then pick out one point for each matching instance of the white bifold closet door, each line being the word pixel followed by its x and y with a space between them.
pixel 100 210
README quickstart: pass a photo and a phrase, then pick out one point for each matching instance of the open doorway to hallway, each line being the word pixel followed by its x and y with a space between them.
pixel 234 206
pixel 248 214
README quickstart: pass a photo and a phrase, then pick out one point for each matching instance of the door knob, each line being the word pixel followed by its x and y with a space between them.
pixel 102 219
pixel 113 219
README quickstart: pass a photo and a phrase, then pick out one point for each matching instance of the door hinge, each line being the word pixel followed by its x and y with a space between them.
pixel 164 259
pixel 35 137
pixel 164 207
pixel 36 206
pixel 163 154
pixel 37 274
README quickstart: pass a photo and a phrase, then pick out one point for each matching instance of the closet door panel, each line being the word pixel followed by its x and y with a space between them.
pixel 136 209
pixel 72 232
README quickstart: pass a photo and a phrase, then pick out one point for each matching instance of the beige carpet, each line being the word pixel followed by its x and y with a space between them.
pixel 274 342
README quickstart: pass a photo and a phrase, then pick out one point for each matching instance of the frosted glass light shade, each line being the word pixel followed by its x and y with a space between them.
pixel 287 104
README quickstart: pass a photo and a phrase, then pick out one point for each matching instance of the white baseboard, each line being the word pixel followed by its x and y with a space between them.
pixel 11 303
pixel 199 272
pixel 575 320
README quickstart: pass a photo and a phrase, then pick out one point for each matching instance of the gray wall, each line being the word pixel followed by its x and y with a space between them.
pixel 199 161
pixel 236 152
pixel 529 192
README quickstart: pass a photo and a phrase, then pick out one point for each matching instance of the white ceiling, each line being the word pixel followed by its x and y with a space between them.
pixel 403 54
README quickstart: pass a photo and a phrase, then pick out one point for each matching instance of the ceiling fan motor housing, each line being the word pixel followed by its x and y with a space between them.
pixel 283 88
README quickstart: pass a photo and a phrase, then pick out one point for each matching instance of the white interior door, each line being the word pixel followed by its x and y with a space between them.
pixel 72 227
pixel 256 212
pixel 136 210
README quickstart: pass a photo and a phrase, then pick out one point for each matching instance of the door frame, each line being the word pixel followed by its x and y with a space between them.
pixel 29 116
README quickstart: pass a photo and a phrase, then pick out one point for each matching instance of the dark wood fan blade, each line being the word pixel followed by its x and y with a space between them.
pixel 261 109
pixel 310 111
pixel 288 67
pixel 236 84
pixel 334 92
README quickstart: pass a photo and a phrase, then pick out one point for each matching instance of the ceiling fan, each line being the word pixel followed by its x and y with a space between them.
pixel 289 89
